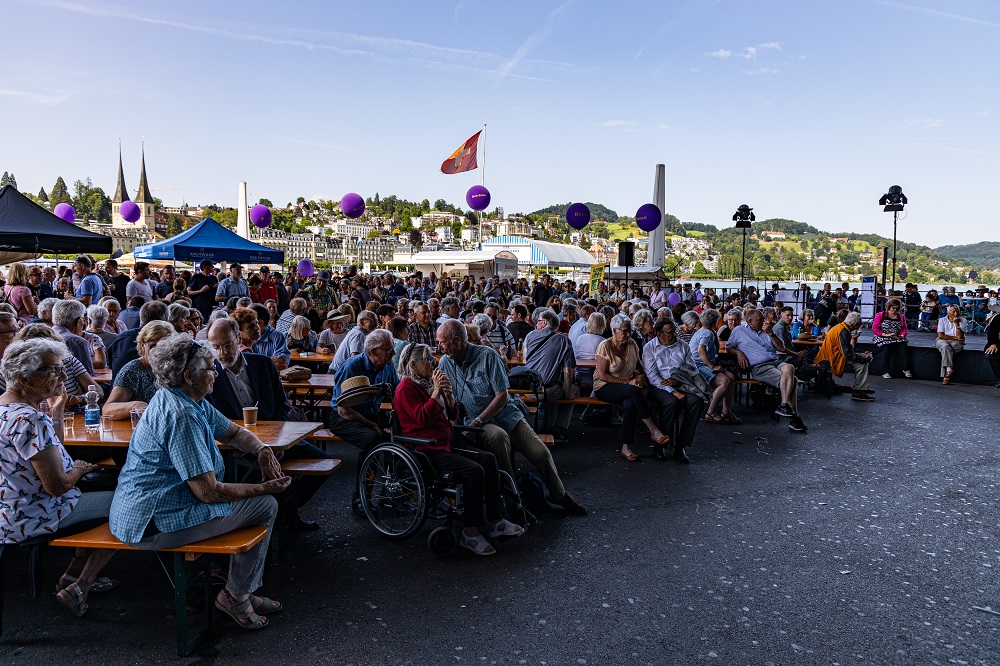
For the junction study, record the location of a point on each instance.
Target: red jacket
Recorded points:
(420, 415)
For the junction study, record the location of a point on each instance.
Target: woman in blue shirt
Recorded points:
(805, 328)
(170, 492)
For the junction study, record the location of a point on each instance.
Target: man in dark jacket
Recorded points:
(246, 380)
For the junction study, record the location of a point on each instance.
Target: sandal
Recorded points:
(242, 612)
(731, 418)
(661, 440)
(631, 457)
(505, 528)
(100, 585)
(73, 599)
(477, 544)
(265, 606)
(713, 418)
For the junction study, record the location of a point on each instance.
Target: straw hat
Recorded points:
(357, 390)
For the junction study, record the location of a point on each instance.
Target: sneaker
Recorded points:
(784, 409)
(570, 505)
(886, 376)
(907, 374)
(616, 420)
(862, 397)
(796, 425)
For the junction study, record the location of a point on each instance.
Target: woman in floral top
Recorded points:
(37, 477)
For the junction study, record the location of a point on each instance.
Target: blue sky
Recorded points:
(803, 110)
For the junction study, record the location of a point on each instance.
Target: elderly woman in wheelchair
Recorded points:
(424, 403)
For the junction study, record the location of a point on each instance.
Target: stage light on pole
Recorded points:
(893, 202)
(743, 218)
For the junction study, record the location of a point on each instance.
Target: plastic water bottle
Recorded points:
(92, 412)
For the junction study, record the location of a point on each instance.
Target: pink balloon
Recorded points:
(674, 298)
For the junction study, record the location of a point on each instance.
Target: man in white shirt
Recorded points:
(579, 327)
(662, 357)
(140, 284)
(354, 343)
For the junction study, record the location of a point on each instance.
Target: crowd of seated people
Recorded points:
(190, 350)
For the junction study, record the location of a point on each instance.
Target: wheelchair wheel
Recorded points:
(394, 492)
(442, 540)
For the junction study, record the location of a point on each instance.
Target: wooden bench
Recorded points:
(232, 543)
(310, 466)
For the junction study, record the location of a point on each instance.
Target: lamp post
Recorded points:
(743, 217)
(893, 200)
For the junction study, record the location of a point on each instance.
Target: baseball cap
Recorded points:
(324, 275)
(206, 262)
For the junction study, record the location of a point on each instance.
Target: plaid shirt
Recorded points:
(421, 335)
(477, 380)
(174, 442)
(325, 298)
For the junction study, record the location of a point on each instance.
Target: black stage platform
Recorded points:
(971, 366)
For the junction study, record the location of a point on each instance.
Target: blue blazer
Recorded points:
(264, 384)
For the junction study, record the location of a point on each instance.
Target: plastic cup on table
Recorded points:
(69, 420)
(135, 415)
(107, 423)
(249, 416)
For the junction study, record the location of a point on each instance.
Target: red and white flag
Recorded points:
(464, 157)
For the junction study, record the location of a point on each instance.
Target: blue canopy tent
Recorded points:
(210, 240)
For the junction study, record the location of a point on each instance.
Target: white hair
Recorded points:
(22, 357)
(98, 315)
(65, 313)
(377, 338)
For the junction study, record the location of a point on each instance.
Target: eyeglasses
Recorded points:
(227, 348)
(54, 370)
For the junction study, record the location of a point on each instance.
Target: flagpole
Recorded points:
(482, 171)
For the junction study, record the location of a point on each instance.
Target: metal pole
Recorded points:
(895, 214)
(743, 263)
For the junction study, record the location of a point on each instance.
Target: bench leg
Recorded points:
(184, 572)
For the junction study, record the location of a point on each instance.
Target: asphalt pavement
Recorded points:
(873, 539)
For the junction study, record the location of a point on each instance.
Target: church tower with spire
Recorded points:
(121, 196)
(144, 199)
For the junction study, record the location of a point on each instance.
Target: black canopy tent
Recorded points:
(27, 227)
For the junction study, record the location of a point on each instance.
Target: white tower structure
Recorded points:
(656, 254)
(243, 213)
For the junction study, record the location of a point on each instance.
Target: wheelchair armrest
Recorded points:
(472, 430)
(414, 441)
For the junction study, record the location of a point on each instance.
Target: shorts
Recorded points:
(767, 373)
(707, 373)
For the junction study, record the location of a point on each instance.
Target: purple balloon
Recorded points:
(260, 215)
(648, 217)
(578, 216)
(305, 268)
(352, 205)
(130, 211)
(65, 212)
(478, 197)
(674, 298)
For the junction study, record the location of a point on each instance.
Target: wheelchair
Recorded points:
(399, 490)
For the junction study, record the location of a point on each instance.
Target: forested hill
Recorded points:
(600, 212)
(985, 254)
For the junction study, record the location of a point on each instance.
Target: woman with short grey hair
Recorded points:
(34, 464)
(177, 315)
(690, 322)
(642, 327)
(171, 490)
(98, 324)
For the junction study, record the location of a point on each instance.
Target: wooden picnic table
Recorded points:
(317, 381)
(808, 343)
(274, 434)
(586, 363)
(311, 357)
(102, 376)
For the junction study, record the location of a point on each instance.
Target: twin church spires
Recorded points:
(143, 198)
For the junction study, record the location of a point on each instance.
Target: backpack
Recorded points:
(534, 495)
(525, 379)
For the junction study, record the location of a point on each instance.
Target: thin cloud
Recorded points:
(770, 46)
(616, 123)
(760, 71)
(722, 54)
(926, 123)
(382, 49)
(937, 13)
(662, 126)
(749, 53)
(535, 39)
(33, 97)
(983, 114)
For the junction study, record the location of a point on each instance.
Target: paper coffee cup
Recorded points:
(249, 416)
